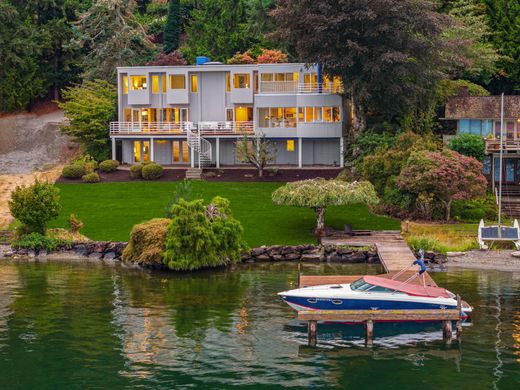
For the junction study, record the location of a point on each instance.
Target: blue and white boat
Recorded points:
(372, 293)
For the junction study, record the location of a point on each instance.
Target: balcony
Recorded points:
(508, 145)
(176, 128)
(290, 87)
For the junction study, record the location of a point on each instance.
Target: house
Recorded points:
(193, 115)
(480, 115)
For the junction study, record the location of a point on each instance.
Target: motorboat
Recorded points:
(372, 293)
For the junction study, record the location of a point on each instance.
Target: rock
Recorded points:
(312, 250)
(263, 257)
(42, 253)
(439, 259)
(81, 250)
(311, 257)
(95, 256)
(356, 257)
(334, 258)
(429, 255)
(109, 256)
(292, 256)
(99, 247)
(31, 253)
(258, 251)
(455, 254)
(516, 254)
(373, 260)
(278, 257)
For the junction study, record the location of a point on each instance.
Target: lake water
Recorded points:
(91, 326)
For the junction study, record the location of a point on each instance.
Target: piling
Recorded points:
(312, 333)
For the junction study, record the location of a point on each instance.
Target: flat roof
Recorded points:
(213, 66)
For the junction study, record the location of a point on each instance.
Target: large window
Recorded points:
(292, 76)
(194, 83)
(228, 82)
(155, 84)
(277, 117)
(163, 83)
(141, 151)
(138, 83)
(319, 114)
(177, 81)
(241, 80)
(125, 84)
(476, 126)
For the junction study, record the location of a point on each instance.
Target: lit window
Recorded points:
(241, 80)
(309, 114)
(290, 145)
(279, 77)
(177, 81)
(194, 83)
(327, 114)
(336, 117)
(125, 85)
(228, 82)
(137, 151)
(138, 83)
(155, 84)
(267, 77)
(163, 82)
(289, 117)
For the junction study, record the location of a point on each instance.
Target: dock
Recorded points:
(395, 256)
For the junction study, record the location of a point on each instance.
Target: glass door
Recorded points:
(509, 170)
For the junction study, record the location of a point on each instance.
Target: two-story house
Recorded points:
(480, 115)
(193, 115)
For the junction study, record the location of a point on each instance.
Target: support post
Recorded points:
(312, 333)
(192, 157)
(299, 273)
(217, 152)
(369, 333)
(459, 322)
(300, 157)
(446, 331)
(342, 152)
(152, 156)
(113, 148)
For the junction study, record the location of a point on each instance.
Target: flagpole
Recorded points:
(501, 156)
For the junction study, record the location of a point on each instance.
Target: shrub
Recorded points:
(146, 244)
(475, 210)
(183, 190)
(202, 236)
(75, 224)
(36, 241)
(91, 178)
(35, 205)
(470, 145)
(73, 171)
(136, 171)
(272, 57)
(108, 166)
(427, 244)
(152, 171)
(345, 175)
(88, 163)
(241, 58)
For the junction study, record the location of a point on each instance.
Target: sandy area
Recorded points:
(499, 260)
(31, 147)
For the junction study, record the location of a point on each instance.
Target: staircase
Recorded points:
(200, 145)
(194, 173)
(510, 201)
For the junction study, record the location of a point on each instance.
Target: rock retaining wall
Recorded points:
(112, 251)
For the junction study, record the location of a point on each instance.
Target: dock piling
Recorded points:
(459, 322)
(312, 330)
(369, 333)
(446, 331)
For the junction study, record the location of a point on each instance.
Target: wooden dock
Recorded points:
(395, 256)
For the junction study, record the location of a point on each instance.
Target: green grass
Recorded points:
(109, 210)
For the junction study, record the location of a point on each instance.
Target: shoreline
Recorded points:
(499, 260)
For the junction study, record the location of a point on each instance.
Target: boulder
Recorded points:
(334, 258)
(515, 254)
(355, 257)
(95, 256)
(263, 257)
(258, 251)
(109, 256)
(292, 256)
(311, 257)
(455, 254)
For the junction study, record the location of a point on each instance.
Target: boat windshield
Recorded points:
(361, 285)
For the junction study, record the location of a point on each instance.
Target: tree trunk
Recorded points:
(260, 171)
(447, 209)
(320, 219)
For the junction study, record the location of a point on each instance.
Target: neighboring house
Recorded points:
(481, 116)
(193, 115)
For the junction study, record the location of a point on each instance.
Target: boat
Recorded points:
(372, 293)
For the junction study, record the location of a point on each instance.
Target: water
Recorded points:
(90, 326)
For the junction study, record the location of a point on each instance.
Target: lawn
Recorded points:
(109, 210)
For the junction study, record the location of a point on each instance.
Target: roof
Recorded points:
(482, 107)
(410, 289)
(217, 67)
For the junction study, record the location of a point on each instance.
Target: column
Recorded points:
(217, 152)
(113, 148)
(151, 150)
(342, 152)
(300, 152)
(192, 157)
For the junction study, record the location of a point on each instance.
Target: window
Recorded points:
(137, 151)
(194, 83)
(263, 117)
(318, 114)
(478, 127)
(243, 114)
(486, 165)
(267, 77)
(163, 82)
(241, 80)
(290, 145)
(125, 84)
(228, 82)
(177, 81)
(138, 83)
(229, 114)
(275, 117)
(146, 151)
(289, 117)
(155, 84)
(309, 114)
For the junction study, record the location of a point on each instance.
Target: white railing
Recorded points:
(330, 87)
(278, 86)
(147, 127)
(200, 145)
(226, 127)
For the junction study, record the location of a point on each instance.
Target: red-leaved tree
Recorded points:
(241, 58)
(272, 57)
(447, 175)
(171, 59)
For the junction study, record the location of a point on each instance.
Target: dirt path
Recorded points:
(31, 147)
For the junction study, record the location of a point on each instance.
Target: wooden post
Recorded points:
(312, 333)
(459, 322)
(369, 333)
(446, 331)
(299, 273)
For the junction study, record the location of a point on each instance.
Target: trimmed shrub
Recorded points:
(136, 171)
(108, 166)
(36, 241)
(91, 178)
(146, 244)
(152, 171)
(470, 145)
(74, 171)
(88, 163)
(35, 205)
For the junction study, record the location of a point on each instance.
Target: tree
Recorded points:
(218, 29)
(112, 37)
(257, 151)
(470, 145)
(34, 206)
(389, 52)
(320, 193)
(241, 58)
(447, 175)
(272, 57)
(89, 108)
(172, 29)
(202, 236)
(174, 58)
(20, 81)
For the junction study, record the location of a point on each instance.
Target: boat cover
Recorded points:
(408, 288)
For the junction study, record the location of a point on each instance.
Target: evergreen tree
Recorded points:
(172, 29)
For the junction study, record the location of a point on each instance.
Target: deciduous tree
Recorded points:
(272, 57)
(257, 151)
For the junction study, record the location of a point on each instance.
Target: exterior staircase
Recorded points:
(199, 145)
(194, 173)
(510, 201)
